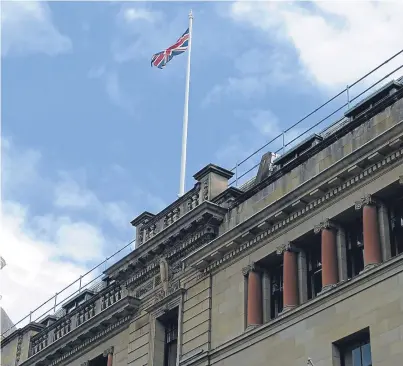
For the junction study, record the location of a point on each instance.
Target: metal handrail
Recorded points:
(57, 301)
(238, 176)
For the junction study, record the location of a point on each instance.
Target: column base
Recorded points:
(288, 308)
(251, 327)
(327, 288)
(370, 266)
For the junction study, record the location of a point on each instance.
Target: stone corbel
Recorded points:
(367, 200)
(108, 351)
(326, 224)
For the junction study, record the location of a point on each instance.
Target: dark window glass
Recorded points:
(276, 298)
(355, 248)
(396, 225)
(357, 354)
(314, 263)
(171, 342)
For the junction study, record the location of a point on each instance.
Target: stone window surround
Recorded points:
(336, 295)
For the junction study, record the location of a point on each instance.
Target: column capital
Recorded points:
(288, 247)
(367, 200)
(108, 351)
(325, 224)
(252, 267)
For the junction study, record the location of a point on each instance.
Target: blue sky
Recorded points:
(91, 134)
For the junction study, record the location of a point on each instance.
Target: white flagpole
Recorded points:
(185, 113)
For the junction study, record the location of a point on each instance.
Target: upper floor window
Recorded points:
(355, 350)
(396, 224)
(355, 247)
(314, 265)
(276, 289)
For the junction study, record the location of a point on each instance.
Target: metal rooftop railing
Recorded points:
(94, 276)
(387, 70)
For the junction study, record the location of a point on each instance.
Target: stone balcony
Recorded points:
(94, 316)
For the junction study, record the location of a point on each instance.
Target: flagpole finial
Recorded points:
(191, 14)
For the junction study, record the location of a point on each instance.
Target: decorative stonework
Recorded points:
(367, 200)
(85, 363)
(288, 247)
(18, 351)
(205, 191)
(91, 340)
(312, 206)
(108, 351)
(326, 224)
(401, 179)
(252, 267)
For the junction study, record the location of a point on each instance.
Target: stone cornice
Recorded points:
(31, 326)
(140, 257)
(346, 186)
(360, 154)
(124, 308)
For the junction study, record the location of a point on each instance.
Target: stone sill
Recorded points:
(331, 297)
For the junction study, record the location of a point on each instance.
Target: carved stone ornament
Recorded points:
(85, 363)
(205, 191)
(253, 267)
(108, 351)
(364, 201)
(326, 224)
(282, 248)
(164, 275)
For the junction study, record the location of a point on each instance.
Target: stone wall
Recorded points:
(369, 130)
(139, 340)
(292, 342)
(196, 317)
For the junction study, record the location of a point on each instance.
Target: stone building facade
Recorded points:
(303, 264)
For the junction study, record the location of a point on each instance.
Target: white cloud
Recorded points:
(336, 42)
(132, 14)
(46, 251)
(27, 27)
(113, 88)
(263, 127)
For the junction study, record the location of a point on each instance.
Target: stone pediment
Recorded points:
(171, 243)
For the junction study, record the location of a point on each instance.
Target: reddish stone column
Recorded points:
(372, 243)
(254, 300)
(109, 354)
(330, 274)
(290, 277)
